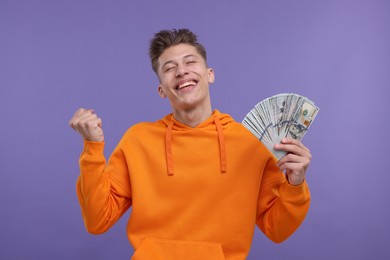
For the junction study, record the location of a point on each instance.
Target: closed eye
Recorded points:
(169, 69)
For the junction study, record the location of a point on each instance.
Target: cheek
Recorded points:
(165, 80)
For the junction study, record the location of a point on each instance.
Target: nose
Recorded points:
(181, 70)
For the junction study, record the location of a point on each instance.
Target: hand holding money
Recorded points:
(280, 122)
(88, 125)
(295, 162)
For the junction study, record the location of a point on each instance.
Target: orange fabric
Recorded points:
(189, 207)
(151, 248)
(168, 148)
(221, 139)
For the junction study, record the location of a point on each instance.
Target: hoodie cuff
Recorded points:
(289, 190)
(93, 148)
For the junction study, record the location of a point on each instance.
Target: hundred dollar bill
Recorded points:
(300, 124)
(283, 115)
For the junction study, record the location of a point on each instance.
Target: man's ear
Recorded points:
(161, 92)
(211, 75)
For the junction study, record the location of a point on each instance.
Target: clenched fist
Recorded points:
(88, 125)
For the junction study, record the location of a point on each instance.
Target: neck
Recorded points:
(193, 117)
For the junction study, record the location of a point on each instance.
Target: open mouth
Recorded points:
(186, 84)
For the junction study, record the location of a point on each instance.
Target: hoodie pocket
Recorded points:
(162, 249)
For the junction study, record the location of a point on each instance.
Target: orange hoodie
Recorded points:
(196, 193)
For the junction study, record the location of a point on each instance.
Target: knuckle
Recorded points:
(75, 123)
(90, 124)
(79, 111)
(289, 156)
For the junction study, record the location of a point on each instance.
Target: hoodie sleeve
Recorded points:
(282, 207)
(103, 191)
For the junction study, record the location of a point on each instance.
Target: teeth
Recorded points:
(185, 84)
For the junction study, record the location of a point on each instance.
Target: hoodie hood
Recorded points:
(217, 121)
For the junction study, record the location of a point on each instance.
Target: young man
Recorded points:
(198, 182)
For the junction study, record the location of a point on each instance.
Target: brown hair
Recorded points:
(168, 38)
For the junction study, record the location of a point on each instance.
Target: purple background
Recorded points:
(56, 56)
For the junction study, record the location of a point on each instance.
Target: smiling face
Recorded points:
(184, 78)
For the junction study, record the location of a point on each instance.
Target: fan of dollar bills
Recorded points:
(283, 115)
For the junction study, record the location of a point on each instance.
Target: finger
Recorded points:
(293, 141)
(79, 111)
(294, 149)
(290, 157)
(290, 166)
(88, 122)
(87, 115)
(75, 116)
(295, 167)
(100, 122)
(89, 126)
(83, 117)
(293, 158)
(91, 122)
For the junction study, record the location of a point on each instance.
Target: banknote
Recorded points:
(284, 115)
